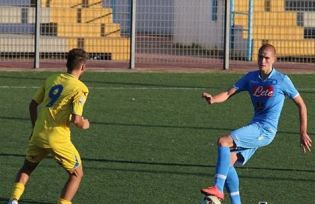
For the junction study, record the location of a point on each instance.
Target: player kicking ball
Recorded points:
(267, 88)
(56, 104)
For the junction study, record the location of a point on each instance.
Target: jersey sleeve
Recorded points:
(288, 88)
(242, 83)
(39, 95)
(79, 101)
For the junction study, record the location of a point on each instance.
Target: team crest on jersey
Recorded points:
(263, 91)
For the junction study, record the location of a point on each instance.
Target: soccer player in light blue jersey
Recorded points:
(268, 89)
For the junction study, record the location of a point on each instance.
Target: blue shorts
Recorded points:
(249, 138)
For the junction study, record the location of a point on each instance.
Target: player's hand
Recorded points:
(86, 124)
(208, 97)
(306, 142)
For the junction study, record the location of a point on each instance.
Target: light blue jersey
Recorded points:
(267, 97)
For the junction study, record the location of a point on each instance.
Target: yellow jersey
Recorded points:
(59, 97)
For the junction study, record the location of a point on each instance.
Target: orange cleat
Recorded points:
(212, 190)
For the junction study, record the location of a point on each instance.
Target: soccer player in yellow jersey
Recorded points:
(57, 103)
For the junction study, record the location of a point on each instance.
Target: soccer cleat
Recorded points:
(212, 190)
(13, 202)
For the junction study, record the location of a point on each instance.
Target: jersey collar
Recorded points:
(70, 75)
(270, 74)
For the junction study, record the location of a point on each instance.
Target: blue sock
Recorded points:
(222, 168)
(232, 185)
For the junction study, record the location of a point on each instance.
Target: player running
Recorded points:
(56, 104)
(267, 88)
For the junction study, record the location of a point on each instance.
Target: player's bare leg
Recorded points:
(24, 173)
(226, 141)
(21, 179)
(72, 185)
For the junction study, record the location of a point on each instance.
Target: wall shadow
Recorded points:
(181, 172)
(120, 83)
(139, 125)
(172, 164)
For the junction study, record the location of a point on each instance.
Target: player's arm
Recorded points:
(80, 121)
(78, 104)
(33, 111)
(220, 97)
(36, 100)
(305, 139)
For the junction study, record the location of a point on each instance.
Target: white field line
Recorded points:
(112, 88)
(133, 88)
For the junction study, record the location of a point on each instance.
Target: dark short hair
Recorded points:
(267, 46)
(76, 57)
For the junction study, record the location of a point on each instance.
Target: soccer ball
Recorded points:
(210, 200)
(13, 202)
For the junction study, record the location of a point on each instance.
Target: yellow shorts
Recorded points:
(66, 155)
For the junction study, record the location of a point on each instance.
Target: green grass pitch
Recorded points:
(153, 140)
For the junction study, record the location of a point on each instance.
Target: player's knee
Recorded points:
(78, 173)
(233, 158)
(225, 141)
(81, 174)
